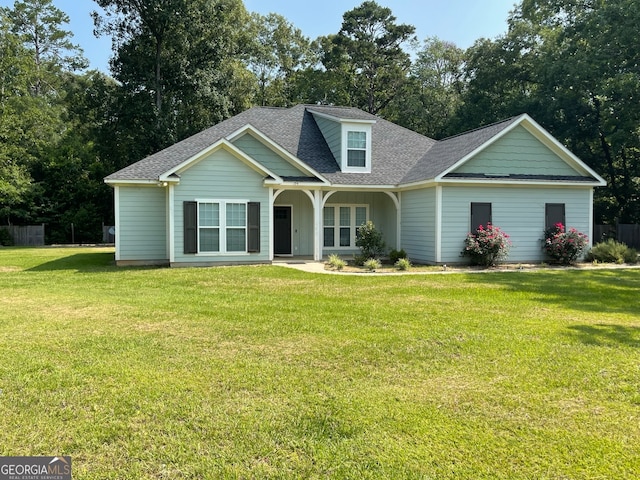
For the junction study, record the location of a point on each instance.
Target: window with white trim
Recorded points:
(356, 149)
(341, 223)
(222, 226)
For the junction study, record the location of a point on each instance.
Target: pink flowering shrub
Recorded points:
(486, 246)
(564, 246)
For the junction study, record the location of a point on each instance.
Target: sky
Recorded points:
(458, 21)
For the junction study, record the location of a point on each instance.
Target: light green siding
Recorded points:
(332, 132)
(221, 176)
(301, 221)
(267, 157)
(142, 227)
(419, 225)
(382, 212)
(518, 152)
(518, 210)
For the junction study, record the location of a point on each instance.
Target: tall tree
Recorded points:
(15, 180)
(175, 60)
(367, 55)
(432, 95)
(39, 25)
(278, 51)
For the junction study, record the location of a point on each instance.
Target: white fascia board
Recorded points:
(417, 185)
(292, 185)
(497, 182)
(274, 147)
(339, 119)
(145, 183)
(370, 188)
(229, 147)
(472, 154)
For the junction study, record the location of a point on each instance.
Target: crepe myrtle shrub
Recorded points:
(487, 246)
(564, 246)
(370, 241)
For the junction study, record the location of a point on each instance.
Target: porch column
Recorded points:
(317, 225)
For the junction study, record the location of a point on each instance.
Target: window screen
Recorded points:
(553, 213)
(480, 215)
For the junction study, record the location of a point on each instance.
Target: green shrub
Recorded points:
(395, 255)
(359, 260)
(372, 264)
(564, 246)
(612, 251)
(370, 241)
(336, 262)
(487, 246)
(5, 238)
(403, 264)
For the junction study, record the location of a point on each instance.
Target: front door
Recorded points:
(282, 231)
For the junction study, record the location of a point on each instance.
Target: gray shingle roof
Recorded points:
(399, 155)
(449, 151)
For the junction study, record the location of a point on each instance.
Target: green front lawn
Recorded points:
(267, 372)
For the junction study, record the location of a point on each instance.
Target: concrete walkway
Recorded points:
(309, 266)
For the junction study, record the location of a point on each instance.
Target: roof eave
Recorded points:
(340, 119)
(512, 181)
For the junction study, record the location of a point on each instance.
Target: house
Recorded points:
(299, 181)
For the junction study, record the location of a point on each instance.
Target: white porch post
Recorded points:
(272, 199)
(317, 225)
(399, 222)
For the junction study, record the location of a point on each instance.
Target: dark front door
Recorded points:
(282, 230)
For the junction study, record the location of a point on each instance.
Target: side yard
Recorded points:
(268, 372)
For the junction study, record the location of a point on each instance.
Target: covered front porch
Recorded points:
(314, 223)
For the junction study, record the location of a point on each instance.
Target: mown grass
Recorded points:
(266, 372)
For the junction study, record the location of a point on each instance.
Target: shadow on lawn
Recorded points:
(80, 262)
(598, 291)
(606, 334)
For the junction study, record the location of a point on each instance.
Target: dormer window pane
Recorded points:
(356, 149)
(357, 140)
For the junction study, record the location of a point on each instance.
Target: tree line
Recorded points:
(179, 66)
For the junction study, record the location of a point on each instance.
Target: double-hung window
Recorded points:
(209, 227)
(356, 149)
(341, 223)
(221, 226)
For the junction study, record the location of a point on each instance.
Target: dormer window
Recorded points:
(349, 139)
(356, 149)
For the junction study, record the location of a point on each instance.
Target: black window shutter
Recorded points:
(480, 215)
(554, 213)
(253, 230)
(190, 227)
